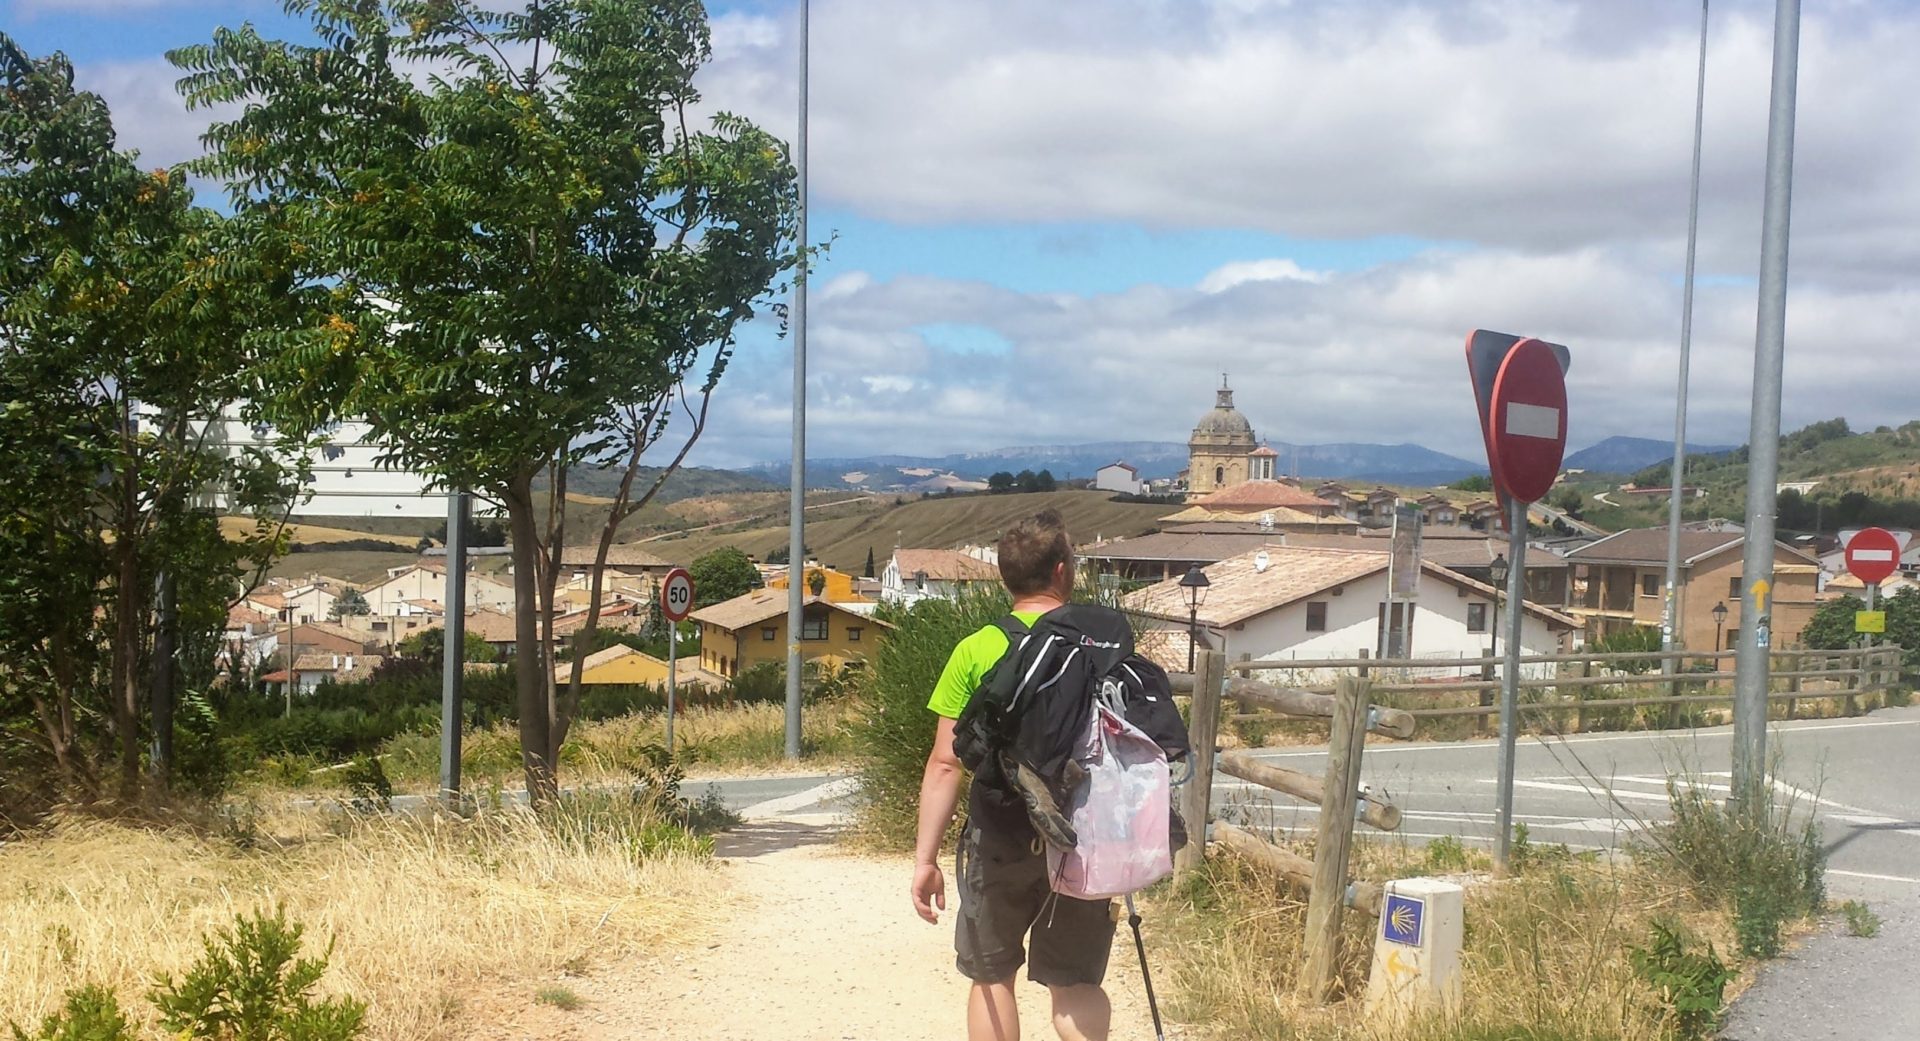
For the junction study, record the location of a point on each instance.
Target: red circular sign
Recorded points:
(676, 594)
(1529, 421)
(1873, 554)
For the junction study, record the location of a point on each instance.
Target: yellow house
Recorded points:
(749, 630)
(837, 586)
(621, 664)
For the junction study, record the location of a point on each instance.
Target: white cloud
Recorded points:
(1519, 123)
(1374, 356)
(1239, 272)
(148, 114)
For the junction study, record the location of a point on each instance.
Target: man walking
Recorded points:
(1001, 866)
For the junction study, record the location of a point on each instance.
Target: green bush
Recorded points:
(1446, 854)
(894, 735)
(1861, 921)
(367, 785)
(1692, 984)
(90, 1014)
(1772, 867)
(250, 985)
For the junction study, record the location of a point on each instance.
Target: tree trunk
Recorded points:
(126, 660)
(531, 676)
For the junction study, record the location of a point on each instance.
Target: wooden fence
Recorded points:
(1342, 804)
(1348, 703)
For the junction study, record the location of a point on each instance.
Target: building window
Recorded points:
(814, 627)
(1219, 475)
(769, 633)
(1317, 616)
(1733, 588)
(1476, 618)
(853, 634)
(1649, 585)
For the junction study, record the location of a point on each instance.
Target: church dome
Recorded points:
(1224, 421)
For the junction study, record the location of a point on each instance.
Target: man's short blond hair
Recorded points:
(1032, 550)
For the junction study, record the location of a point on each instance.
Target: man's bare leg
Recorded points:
(1081, 1013)
(992, 1012)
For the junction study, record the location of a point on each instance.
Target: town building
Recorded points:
(1619, 582)
(1118, 477)
(1220, 450)
(406, 587)
(750, 630)
(913, 575)
(1310, 602)
(835, 586)
(624, 665)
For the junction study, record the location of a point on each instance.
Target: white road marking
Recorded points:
(1874, 877)
(839, 789)
(1595, 791)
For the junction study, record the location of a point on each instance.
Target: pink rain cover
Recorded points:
(1119, 814)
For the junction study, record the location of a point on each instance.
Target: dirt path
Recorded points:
(821, 946)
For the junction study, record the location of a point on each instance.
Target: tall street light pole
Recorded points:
(1763, 438)
(797, 501)
(1670, 620)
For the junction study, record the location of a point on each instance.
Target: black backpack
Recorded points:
(1034, 704)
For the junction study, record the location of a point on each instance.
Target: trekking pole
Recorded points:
(1146, 976)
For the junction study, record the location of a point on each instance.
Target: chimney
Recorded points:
(349, 663)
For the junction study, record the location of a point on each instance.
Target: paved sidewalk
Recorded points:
(1839, 986)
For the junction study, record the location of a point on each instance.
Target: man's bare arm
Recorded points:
(939, 796)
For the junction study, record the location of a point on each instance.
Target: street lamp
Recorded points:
(1195, 583)
(1498, 572)
(1719, 623)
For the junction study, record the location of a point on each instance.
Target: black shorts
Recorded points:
(1004, 895)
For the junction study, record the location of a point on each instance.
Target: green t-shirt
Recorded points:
(971, 660)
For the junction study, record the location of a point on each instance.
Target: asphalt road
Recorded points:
(1588, 791)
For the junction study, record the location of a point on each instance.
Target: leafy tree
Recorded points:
(430, 646)
(350, 604)
(1026, 481)
(1000, 483)
(534, 260)
(1568, 500)
(1831, 627)
(1044, 482)
(817, 582)
(723, 574)
(1479, 483)
(131, 328)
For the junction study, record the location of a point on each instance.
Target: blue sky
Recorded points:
(1060, 222)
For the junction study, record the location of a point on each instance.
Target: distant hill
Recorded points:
(1626, 455)
(689, 482)
(1156, 460)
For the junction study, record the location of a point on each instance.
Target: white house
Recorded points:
(1307, 602)
(1118, 477)
(913, 575)
(399, 596)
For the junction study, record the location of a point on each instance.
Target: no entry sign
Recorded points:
(1873, 554)
(676, 594)
(1521, 388)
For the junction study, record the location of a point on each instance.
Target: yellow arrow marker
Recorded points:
(1760, 591)
(1397, 967)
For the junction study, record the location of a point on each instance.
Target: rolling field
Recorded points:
(321, 534)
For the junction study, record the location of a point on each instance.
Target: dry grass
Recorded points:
(316, 534)
(422, 914)
(714, 740)
(1546, 955)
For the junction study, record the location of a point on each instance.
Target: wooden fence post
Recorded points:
(1330, 853)
(1203, 733)
(1485, 719)
(1793, 682)
(1580, 699)
(1856, 680)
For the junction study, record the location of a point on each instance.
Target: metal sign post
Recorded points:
(1521, 388)
(676, 602)
(453, 649)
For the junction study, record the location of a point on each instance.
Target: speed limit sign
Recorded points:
(676, 594)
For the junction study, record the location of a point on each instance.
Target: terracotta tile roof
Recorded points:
(363, 665)
(240, 615)
(491, 626)
(271, 599)
(1166, 648)
(1648, 546)
(1181, 545)
(306, 630)
(1283, 517)
(944, 565)
(765, 604)
(1241, 590)
(1265, 495)
(1451, 552)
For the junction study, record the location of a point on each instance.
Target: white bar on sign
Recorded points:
(1873, 554)
(1525, 420)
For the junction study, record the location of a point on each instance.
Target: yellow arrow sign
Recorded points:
(1398, 967)
(1760, 591)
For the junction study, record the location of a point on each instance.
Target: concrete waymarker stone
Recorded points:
(1416, 952)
